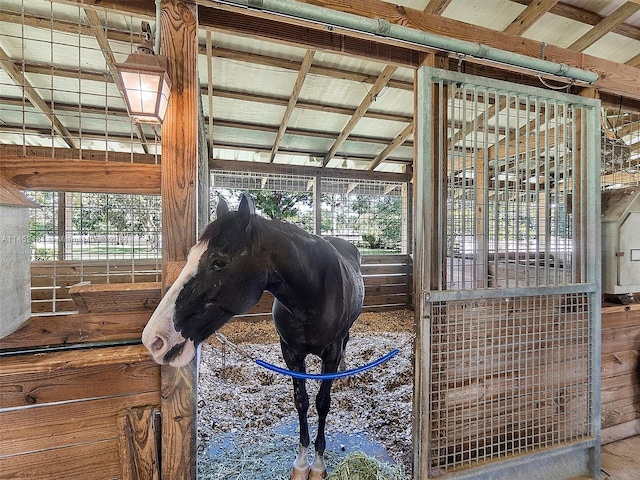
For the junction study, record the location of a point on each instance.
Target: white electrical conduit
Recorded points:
(384, 28)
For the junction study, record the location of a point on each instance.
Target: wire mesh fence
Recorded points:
(60, 91)
(90, 237)
(371, 214)
(510, 376)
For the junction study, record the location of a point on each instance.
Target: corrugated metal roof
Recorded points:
(53, 47)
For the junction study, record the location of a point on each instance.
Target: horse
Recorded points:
(318, 294)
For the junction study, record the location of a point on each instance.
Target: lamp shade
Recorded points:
(147, 86)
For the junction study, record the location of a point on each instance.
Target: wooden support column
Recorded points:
(179, 28)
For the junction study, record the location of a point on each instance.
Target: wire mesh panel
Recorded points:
(510, 375)
(620, 160)
(371, 214)
(509, 196)
(59, 85)
(278, 196)
(91, 237)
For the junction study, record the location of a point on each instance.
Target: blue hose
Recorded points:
(327, 376)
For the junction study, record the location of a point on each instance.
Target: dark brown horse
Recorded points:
(318, 290)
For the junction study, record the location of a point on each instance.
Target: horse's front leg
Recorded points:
(296, 363)
(330, 362)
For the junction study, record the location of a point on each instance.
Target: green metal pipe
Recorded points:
(384, 28)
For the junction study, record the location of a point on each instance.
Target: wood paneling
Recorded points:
(116, 298)
(72, 329)
(59, 410)
(40, 378)
(96, 460)
(56, 426)
(44, 173)
(620, 381)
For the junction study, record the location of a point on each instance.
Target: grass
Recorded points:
(273, 461)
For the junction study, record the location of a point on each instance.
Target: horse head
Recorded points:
(224, 276)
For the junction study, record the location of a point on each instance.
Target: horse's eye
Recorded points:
(218, 264)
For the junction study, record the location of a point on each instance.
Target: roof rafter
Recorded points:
(530, 15)
(389, 149)
(623, 12)
(577, 14)
(436, 7)
(34, 97)
(297, 88)
(369, 98)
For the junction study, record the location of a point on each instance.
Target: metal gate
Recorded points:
(507, 258)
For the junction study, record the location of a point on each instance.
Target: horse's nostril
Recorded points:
(157, 344)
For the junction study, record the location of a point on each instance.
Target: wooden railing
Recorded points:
(50, 281)
(387, 278)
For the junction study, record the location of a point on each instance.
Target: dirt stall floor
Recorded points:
(243, 406)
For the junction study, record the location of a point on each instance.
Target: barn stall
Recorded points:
(62, 109)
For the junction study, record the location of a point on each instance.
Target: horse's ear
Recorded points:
(246, 209)
(222, 207)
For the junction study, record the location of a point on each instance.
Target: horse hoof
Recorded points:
(317, 474)
(300, 473)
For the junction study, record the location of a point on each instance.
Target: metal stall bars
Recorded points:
(508, 257)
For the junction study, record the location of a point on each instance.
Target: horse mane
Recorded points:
(259, 228)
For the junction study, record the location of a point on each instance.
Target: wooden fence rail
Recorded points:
(388, 282)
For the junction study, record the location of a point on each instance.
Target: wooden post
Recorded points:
(179, 28)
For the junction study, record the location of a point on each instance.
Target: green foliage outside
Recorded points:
(374, 223)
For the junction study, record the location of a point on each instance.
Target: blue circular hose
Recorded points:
(327, 376)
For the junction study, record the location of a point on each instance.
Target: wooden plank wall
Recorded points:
(51, 281)
(62, 408)
(620, 414)
(388, 282)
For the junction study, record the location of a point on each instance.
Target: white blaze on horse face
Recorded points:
(160, 335)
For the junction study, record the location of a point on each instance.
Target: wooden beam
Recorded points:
(242, 22)
(303, 132)
(180, 159)
(293, 99)
(50, 174)
(395, 143)
(623, 12)
(34, 97)
(307, 105)
(577, 14)
(360, 111)
(101, 37)
(530, 15)
(614, 77)
(617, 78)
(436, 7)
(634, 62)
(8, 151)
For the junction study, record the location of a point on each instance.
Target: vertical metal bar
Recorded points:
(446, 93)
(546, 193)
(516, 192)
(566, 199)
(464, 171)
(485, 194)
(496, 191)
(527, 195)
